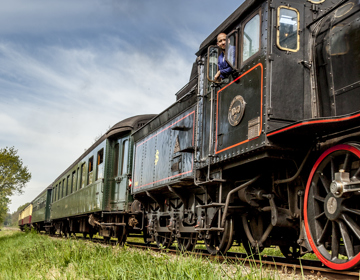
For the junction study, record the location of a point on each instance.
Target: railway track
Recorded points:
(286, 266)
(281, 264)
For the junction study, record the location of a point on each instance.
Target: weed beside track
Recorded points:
(33, 256)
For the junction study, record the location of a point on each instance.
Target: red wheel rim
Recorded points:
(356, 259)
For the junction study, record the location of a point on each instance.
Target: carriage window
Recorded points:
(82, 176)
(68, 185)
(124, 160)
(64, 188)
(59, 191)
(73, 182)
(288, 37)
(230, 50)
(91, 167)
(100, 165)
(55, 193)
(116, 163)
(251, 38)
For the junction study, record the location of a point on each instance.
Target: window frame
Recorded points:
(64, 188)
(208, 63)
(278, 29)
(90, 170)
(243, 25)
(73, 181)
(236, 32)
(316, 2)
(124, 157)
(83, 170)
(100, 156)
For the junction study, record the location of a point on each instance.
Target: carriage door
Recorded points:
(121, 174)
(287, 63)
(48, 205)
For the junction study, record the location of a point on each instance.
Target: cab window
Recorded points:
(251, 38)
(230, 50)
(288, 37)
(212, 65)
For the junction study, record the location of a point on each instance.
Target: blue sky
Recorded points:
(71, 69)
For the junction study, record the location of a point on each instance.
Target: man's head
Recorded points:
(221, 41)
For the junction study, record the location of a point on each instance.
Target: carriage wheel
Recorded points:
(146, 235)
(65, 231)
(122, 235)
(219, 242)
(163, 240)
(187, 241)
(332, 219)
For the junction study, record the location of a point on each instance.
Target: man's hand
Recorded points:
(217, 76)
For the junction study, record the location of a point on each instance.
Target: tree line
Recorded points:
(13, 178)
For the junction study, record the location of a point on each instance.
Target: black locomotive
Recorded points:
(269, 155)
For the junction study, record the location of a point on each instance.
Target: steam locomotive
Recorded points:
(269, 155)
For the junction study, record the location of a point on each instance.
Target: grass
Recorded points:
(32, 256)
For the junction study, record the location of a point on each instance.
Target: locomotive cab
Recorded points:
(293, 93)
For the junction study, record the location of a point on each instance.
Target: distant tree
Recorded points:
(4, 201)
(13, 177)
(15, 218)
(7, 221)
(21, 207)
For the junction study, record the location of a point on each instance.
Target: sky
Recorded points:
(69, 70)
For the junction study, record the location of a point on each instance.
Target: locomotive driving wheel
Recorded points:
(332, 208)
(253, 222)
(219, 242)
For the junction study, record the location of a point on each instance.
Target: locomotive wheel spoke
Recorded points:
(319, 198)
(332, 221)
(353, 211)
(321, 215)
(324, 232)
(346, 166)
(352, 225)
(325, 181)
(347, 240)
(335, 238)
(332, 169)
(356, 174)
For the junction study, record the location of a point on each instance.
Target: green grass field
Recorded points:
(33, 256)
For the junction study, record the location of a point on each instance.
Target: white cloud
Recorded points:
(65, 97)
